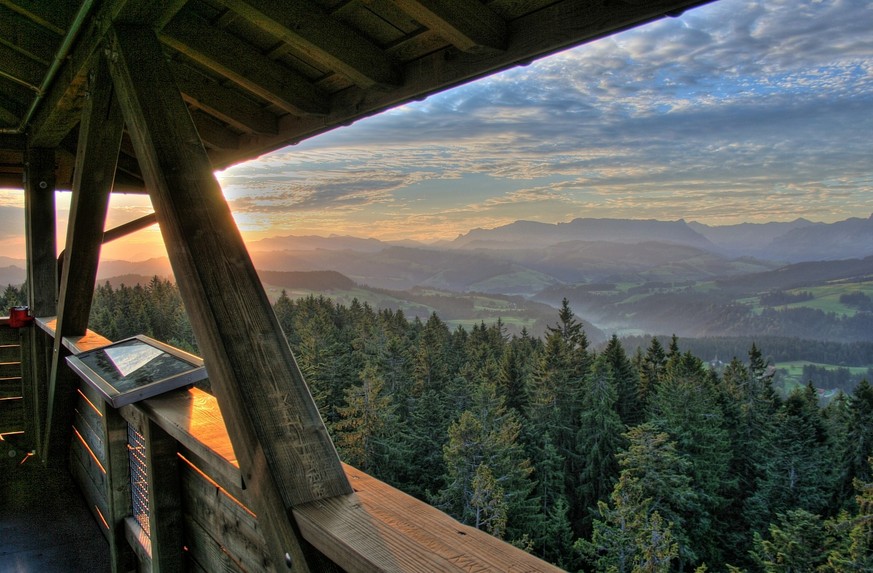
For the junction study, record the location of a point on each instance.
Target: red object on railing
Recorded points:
(19, 316)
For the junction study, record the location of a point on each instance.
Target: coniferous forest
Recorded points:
(593, 460)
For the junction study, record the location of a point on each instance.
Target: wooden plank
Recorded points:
(95, 502)
(10, 370)
(326, 40)
(206, 553)
(229, 526)
(90, 427)
(99, 143)
(194, 419)
(469, 26)
(118, 503)
(227, 105)
(231, 57)
(10, 353)
(8, 336)
(20, 68)
(380, 528)
(41, 246)
(11, 415)
(140, 542)
(94, 471)
(10, 388)
(212, 133)
(284, 450)
(165, 500)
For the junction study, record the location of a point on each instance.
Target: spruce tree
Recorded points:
(627, 383)
(598, 441)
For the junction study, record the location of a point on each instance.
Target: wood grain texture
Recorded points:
(227, 55)
(284, 450)
(165, 500)
(326, 40)
(99, 143)
(231, 529)
(382, 529)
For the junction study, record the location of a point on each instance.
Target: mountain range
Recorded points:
(621, 275)
(525, 257)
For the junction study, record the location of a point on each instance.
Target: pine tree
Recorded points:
(627, 383)
(641, 528)
(487, 434)
(598, 441)
(798, 463)
(853, 534)
(653, 365)
(795, 544)
(368, 429)
(686, 405)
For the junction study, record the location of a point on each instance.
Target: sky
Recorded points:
(738, 111)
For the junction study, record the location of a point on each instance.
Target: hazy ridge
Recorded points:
(623, 275)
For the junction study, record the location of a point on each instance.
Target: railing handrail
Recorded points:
(376, 528)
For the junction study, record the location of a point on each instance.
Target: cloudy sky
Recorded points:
(742, 110)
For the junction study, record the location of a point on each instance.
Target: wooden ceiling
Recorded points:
(258, 75)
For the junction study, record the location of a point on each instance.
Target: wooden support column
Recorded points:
(159, 549)
(96, 156)
(285, 454)
(117, 490)
(40, 230)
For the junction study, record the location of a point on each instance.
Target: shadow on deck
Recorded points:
(45, 526)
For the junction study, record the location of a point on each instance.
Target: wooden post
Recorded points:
(163, 550)
(96, 156)
(285, 454)
(117, 489)
(39, 207)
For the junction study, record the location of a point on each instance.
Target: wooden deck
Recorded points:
(45, 526)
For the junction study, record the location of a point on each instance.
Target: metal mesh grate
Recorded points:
(139, 487)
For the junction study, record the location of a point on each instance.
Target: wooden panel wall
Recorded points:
(11, 409)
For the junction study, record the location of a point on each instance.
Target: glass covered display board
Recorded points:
(136, 368)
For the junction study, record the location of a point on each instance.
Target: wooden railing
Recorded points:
(199, 515)
(11, 395)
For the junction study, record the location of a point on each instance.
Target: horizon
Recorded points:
(737, 111)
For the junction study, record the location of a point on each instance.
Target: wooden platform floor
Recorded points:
(44, 524)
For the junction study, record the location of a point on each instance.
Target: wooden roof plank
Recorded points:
(326, 40)
(225, 104)
(48, 15)
(60, 109)
(229, 56)
(212, 133)
(470, 26)
(21, 68)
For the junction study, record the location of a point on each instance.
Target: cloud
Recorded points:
(738, 110)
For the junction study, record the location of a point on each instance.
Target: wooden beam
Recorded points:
(285, 454)
(229, 56)
(61, 108)
(40, 236)
(227, 105)
(99, 143)
(117, 488)
(324, 39)
(165, 533)
(212, 133)
(39, 206)
(470, 26)
(21, 69)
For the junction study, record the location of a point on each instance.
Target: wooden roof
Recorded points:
(258, 75)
